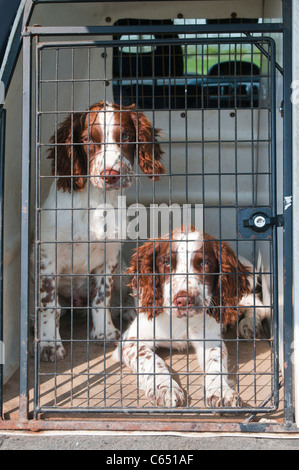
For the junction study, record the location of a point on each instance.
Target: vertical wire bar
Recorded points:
(72, 240)
(170, 226)
(154, 199)
(37, 229)
(105, 235)
(122, 243)
(254, 181)
(2, 167)
(220, 221)
(255, 162)
(170, 203)
(237, 242)
(203, 217)
(254, 191)
(24, 303)
(88, 240)
(120, 52)
(187, 228)
(137, 249)
(56, 234)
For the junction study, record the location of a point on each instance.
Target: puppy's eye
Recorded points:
(204, 264)
(125, 137)
(166, 262)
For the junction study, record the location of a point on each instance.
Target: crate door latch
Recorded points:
(257, 222)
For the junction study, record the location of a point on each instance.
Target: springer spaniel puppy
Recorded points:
(92, 158)
(188, 285)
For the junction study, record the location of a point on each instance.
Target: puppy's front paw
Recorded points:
(51, 352)
(164, 395)
(250, 328)
(111, 335)
(227, 399)
(129, 314)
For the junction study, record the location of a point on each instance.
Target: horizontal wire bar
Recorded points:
(170, 340)
(162, 142)
(141, 240)
(57, 176)
(127, 374)
(173, 274)
(160, 29)
(154, 410)
(237, 80)
(159, 110)
(140, 310)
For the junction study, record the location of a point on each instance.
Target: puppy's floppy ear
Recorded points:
(149, 150)
(233, 283)
(70, 159)
(145, 278)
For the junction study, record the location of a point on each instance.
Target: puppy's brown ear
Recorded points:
(233, 283)
(145, 279)
(67, 155)
(149, 149)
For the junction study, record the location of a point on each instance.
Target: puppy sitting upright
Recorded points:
(92, 158)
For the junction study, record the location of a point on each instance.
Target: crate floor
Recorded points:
(89, 378)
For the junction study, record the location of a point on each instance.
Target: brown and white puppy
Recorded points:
(188, 285)
(92, 158)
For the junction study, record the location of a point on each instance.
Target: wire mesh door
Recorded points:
(155, 233)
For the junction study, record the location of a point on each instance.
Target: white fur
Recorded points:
(110, 155)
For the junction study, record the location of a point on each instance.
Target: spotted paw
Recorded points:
(51, 352)
(111, 336)
(227, 399)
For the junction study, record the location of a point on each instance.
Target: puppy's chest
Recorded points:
(80, 257)
(178, 329)
(88, 216)
(96, 223)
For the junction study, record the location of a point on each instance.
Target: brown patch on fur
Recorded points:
(146, 276)
(68, 156)
(232, 285)
(47, 288)
(149, 150)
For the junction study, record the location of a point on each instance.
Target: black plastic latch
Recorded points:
(258, 222)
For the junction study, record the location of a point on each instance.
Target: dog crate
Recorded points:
(216, 86)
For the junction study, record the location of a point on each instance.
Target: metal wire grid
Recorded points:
(96, 368)
(185, 75)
